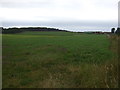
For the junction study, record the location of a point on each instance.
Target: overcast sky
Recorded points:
(59, 13)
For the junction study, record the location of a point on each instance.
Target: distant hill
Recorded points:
(18, 30)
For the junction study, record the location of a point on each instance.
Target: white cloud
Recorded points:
(59, 10)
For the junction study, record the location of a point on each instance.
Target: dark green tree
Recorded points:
(118, 31)
(113, 30)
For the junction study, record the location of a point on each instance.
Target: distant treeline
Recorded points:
(18, 30)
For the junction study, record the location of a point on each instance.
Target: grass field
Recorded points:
(59, 60)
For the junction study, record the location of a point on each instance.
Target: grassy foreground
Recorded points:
(59, 60)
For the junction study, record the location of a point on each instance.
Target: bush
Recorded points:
(113, 30)
(118, 31)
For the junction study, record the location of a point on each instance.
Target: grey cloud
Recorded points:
(106, 3)
(71, 4)
(26, 4)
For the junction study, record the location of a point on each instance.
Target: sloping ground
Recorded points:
(49, 60)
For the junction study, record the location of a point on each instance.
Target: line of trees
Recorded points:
(18, 30)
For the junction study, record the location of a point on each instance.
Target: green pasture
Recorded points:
(56, 60)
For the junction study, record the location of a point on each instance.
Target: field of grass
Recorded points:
(58, 60)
